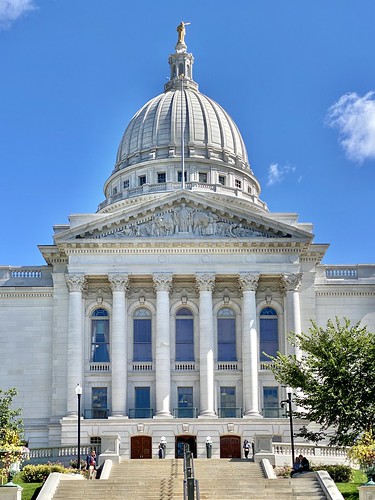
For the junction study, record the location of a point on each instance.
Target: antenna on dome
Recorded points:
(182, 134)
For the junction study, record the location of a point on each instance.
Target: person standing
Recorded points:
(246, 448)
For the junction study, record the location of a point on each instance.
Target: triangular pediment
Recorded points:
(182, 215)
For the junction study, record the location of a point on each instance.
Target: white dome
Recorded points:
(155, 130)
(154, 156)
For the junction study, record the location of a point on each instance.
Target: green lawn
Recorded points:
(30, 490)
(350, 490)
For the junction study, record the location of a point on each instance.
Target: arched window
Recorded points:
(184, 335)
(100, 336)
(268, 335)
(226, 335)
(142, 346)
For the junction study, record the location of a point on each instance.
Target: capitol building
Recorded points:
(162, 304)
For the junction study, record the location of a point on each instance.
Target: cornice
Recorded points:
(14, 294)
(345, 290)
(182, 247)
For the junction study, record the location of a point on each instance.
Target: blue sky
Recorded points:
(297, 77)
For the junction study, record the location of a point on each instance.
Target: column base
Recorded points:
(163, 414)
(208, 414)
(252, 414)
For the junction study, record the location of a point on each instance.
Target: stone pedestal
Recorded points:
(13, 492)
(366, 492)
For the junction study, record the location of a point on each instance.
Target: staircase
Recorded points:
(228, 479)
(131, 479)
(219, 479)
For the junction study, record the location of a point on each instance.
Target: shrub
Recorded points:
(339, 473)
(39, 473)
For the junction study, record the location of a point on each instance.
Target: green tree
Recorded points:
(334, 380)
(11, 430)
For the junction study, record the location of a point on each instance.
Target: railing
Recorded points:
(27, 273)
(142, 366)
(185, 412)
(100, 367)
(191, 485)
(184, 366)
(140, 413)
(315, 453)
(227, 365)
(266, 365)
(61, 453)
(272, 412)
(96, 413)
(230, 412)
(341, 273)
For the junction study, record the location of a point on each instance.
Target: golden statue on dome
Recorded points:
(181, 32)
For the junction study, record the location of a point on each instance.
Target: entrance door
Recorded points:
(230, 447)
(181, 440)
(141, 447)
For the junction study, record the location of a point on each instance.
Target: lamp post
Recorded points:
(163, 445)
(79, 394)
(289, 403)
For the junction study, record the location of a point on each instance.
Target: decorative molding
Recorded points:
(205, 282)
(119, 282)
(26, 295)
(162, 282)
(248, 282)
(75, 282)
(291, 282)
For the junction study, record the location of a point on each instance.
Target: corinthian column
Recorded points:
(205, 285)
(292, 284)
(119, 358)
(75, 283)
(162, 284)
(250, 380)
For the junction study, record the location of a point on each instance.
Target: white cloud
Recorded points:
(277, 173)
(10, 10)
(354, 117)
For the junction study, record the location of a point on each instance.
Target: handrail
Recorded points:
(191, 485)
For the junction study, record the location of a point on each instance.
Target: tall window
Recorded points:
(184, 335)
(142, 347)
(161, 177)
(269, 341)
(226, 335)
(271, 402)
(100, 336)
(142, 180)
(179, 176)
(203, 177)
(142, 402)
(228, 402)
(99, 406)
(185, 402)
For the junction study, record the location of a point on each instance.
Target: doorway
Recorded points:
(180, 441)
(141, 447)
(230, 447)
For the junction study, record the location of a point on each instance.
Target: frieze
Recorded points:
(187, 222)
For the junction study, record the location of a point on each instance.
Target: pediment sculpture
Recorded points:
(184, 221)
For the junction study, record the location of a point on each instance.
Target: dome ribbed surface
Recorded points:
(155, 130)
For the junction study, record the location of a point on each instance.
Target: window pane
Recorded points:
(142, 397)
(227, 397)
(269, 342)
(185, 397)
(270, 397)
(226, 333)
(184, 335)
(100, 336)
(142, 340)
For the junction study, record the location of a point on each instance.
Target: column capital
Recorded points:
(162, 282)
(291, 282)
(248, 282)
(205, 281)
(75, 282)
(119, 282)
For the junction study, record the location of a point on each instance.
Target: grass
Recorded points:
(30, 490)
(350, 490)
